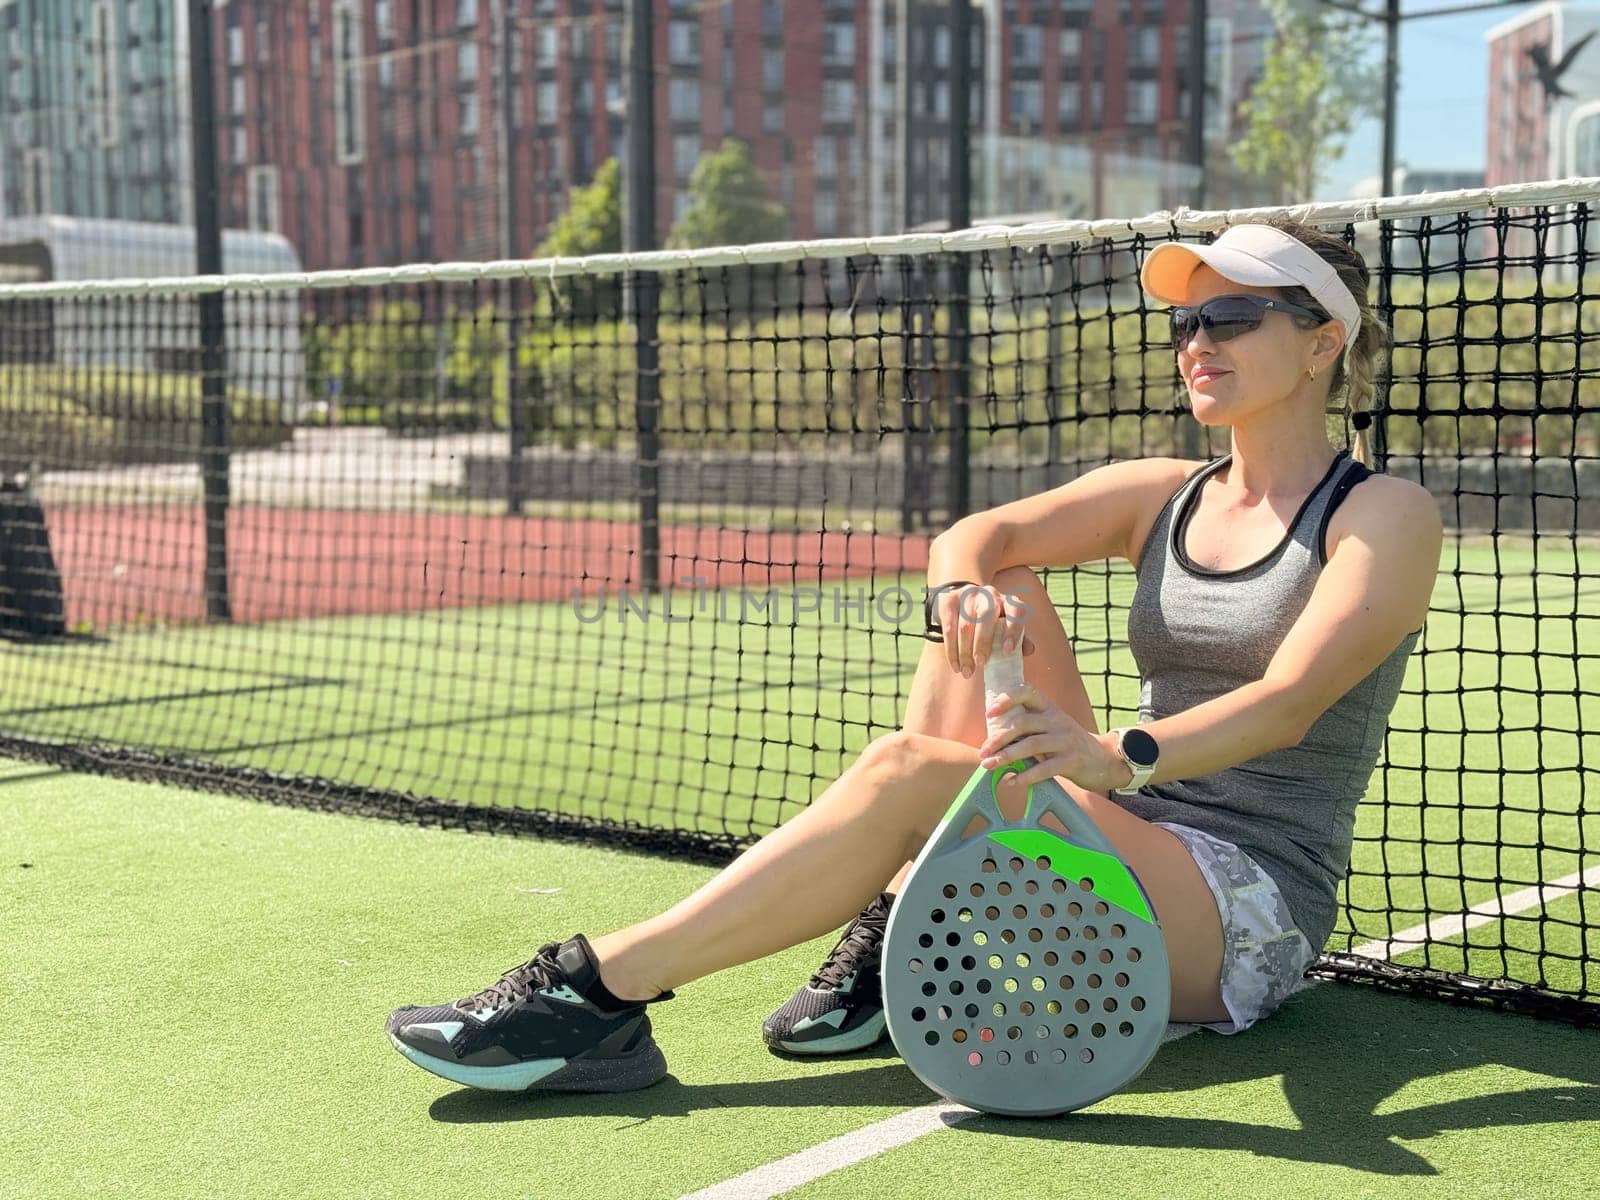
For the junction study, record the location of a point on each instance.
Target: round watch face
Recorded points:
(1140, 747)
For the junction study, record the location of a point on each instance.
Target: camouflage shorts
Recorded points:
(1265, 956)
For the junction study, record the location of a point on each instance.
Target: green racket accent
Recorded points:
(1111, 879)
(1111, 876)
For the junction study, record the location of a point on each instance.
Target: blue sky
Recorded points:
(1444, 84)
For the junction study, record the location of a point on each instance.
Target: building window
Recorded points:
(1219, 54)
(36, 181)
(104, 66)
(466, 12)
(262, 200)
(772, 18)
(1143, 101)
(772, 70)
(838, 100)
(825, 158)
(241, 145)
(236, 95)
(1586, 146)
(1069, 106)
(1071, 48)
(1027, 100)
(941, 47)
(1147, 46)
(263, 44)
(348, 106)
(683, 99)
(236, 46)
(469, 114)
(467, 62)
(547, 47)
(772, 116)
(548, 103)
(1027, 45)
(685, 154)
(683, 44)
(825, 216)
(838, 44)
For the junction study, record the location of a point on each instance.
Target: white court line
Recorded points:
(803, 1166)
(1441, 928)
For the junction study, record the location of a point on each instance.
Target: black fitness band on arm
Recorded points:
(935, 631)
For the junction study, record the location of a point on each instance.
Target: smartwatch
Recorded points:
(1139, 751)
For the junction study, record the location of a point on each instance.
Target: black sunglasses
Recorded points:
(1226, 317)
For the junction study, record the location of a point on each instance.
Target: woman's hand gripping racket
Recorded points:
(1023, 971)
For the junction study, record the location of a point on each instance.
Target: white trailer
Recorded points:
(263, 328)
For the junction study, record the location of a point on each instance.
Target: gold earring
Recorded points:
(1312, 370)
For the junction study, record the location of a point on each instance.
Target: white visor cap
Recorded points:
(1253, 254)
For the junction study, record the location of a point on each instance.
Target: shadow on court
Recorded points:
(887, 1086)
(26, 775)
(1342, 1054)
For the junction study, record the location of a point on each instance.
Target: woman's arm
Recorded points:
(1104, 513)
(1373, 591)
(1095, 516)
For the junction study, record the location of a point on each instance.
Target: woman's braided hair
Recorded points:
(1356, 371)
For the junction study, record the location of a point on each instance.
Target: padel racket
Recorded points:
(1024, 972)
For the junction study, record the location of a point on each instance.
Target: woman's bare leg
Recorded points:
(807, 877)
(945, 704)
(866, 827)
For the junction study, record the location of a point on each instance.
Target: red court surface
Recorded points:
(131, 565)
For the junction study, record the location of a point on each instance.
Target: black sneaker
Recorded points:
(841, 1009)
(535, 1028)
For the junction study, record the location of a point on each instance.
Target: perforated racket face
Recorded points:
(1011, 986)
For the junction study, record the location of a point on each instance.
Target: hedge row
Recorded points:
(62, 416)
(1469, 368)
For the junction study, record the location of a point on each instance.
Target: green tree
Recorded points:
(591, 224)
(728, 206)
(728, 203)
(1318, 80)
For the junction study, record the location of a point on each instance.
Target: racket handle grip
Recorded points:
(1002, 675)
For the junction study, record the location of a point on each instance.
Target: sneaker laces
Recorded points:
(862, 938)
(519, 983)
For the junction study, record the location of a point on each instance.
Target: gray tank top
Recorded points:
(1198, 633)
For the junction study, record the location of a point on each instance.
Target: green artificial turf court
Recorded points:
(197, 984)
(727, 728)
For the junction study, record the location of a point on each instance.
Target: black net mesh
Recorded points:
(639, 557)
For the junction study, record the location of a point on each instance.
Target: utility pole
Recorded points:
(1198, 16)
(508, 249)
(902, 105)
(960, 274)
(1188, 429)
(1391, 91)
(640, 235)
(214, 416)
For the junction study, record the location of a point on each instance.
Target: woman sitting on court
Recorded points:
(1280, 591)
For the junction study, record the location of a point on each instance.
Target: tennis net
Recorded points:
(632, 548)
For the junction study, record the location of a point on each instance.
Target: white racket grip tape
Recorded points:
(1002, 676)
